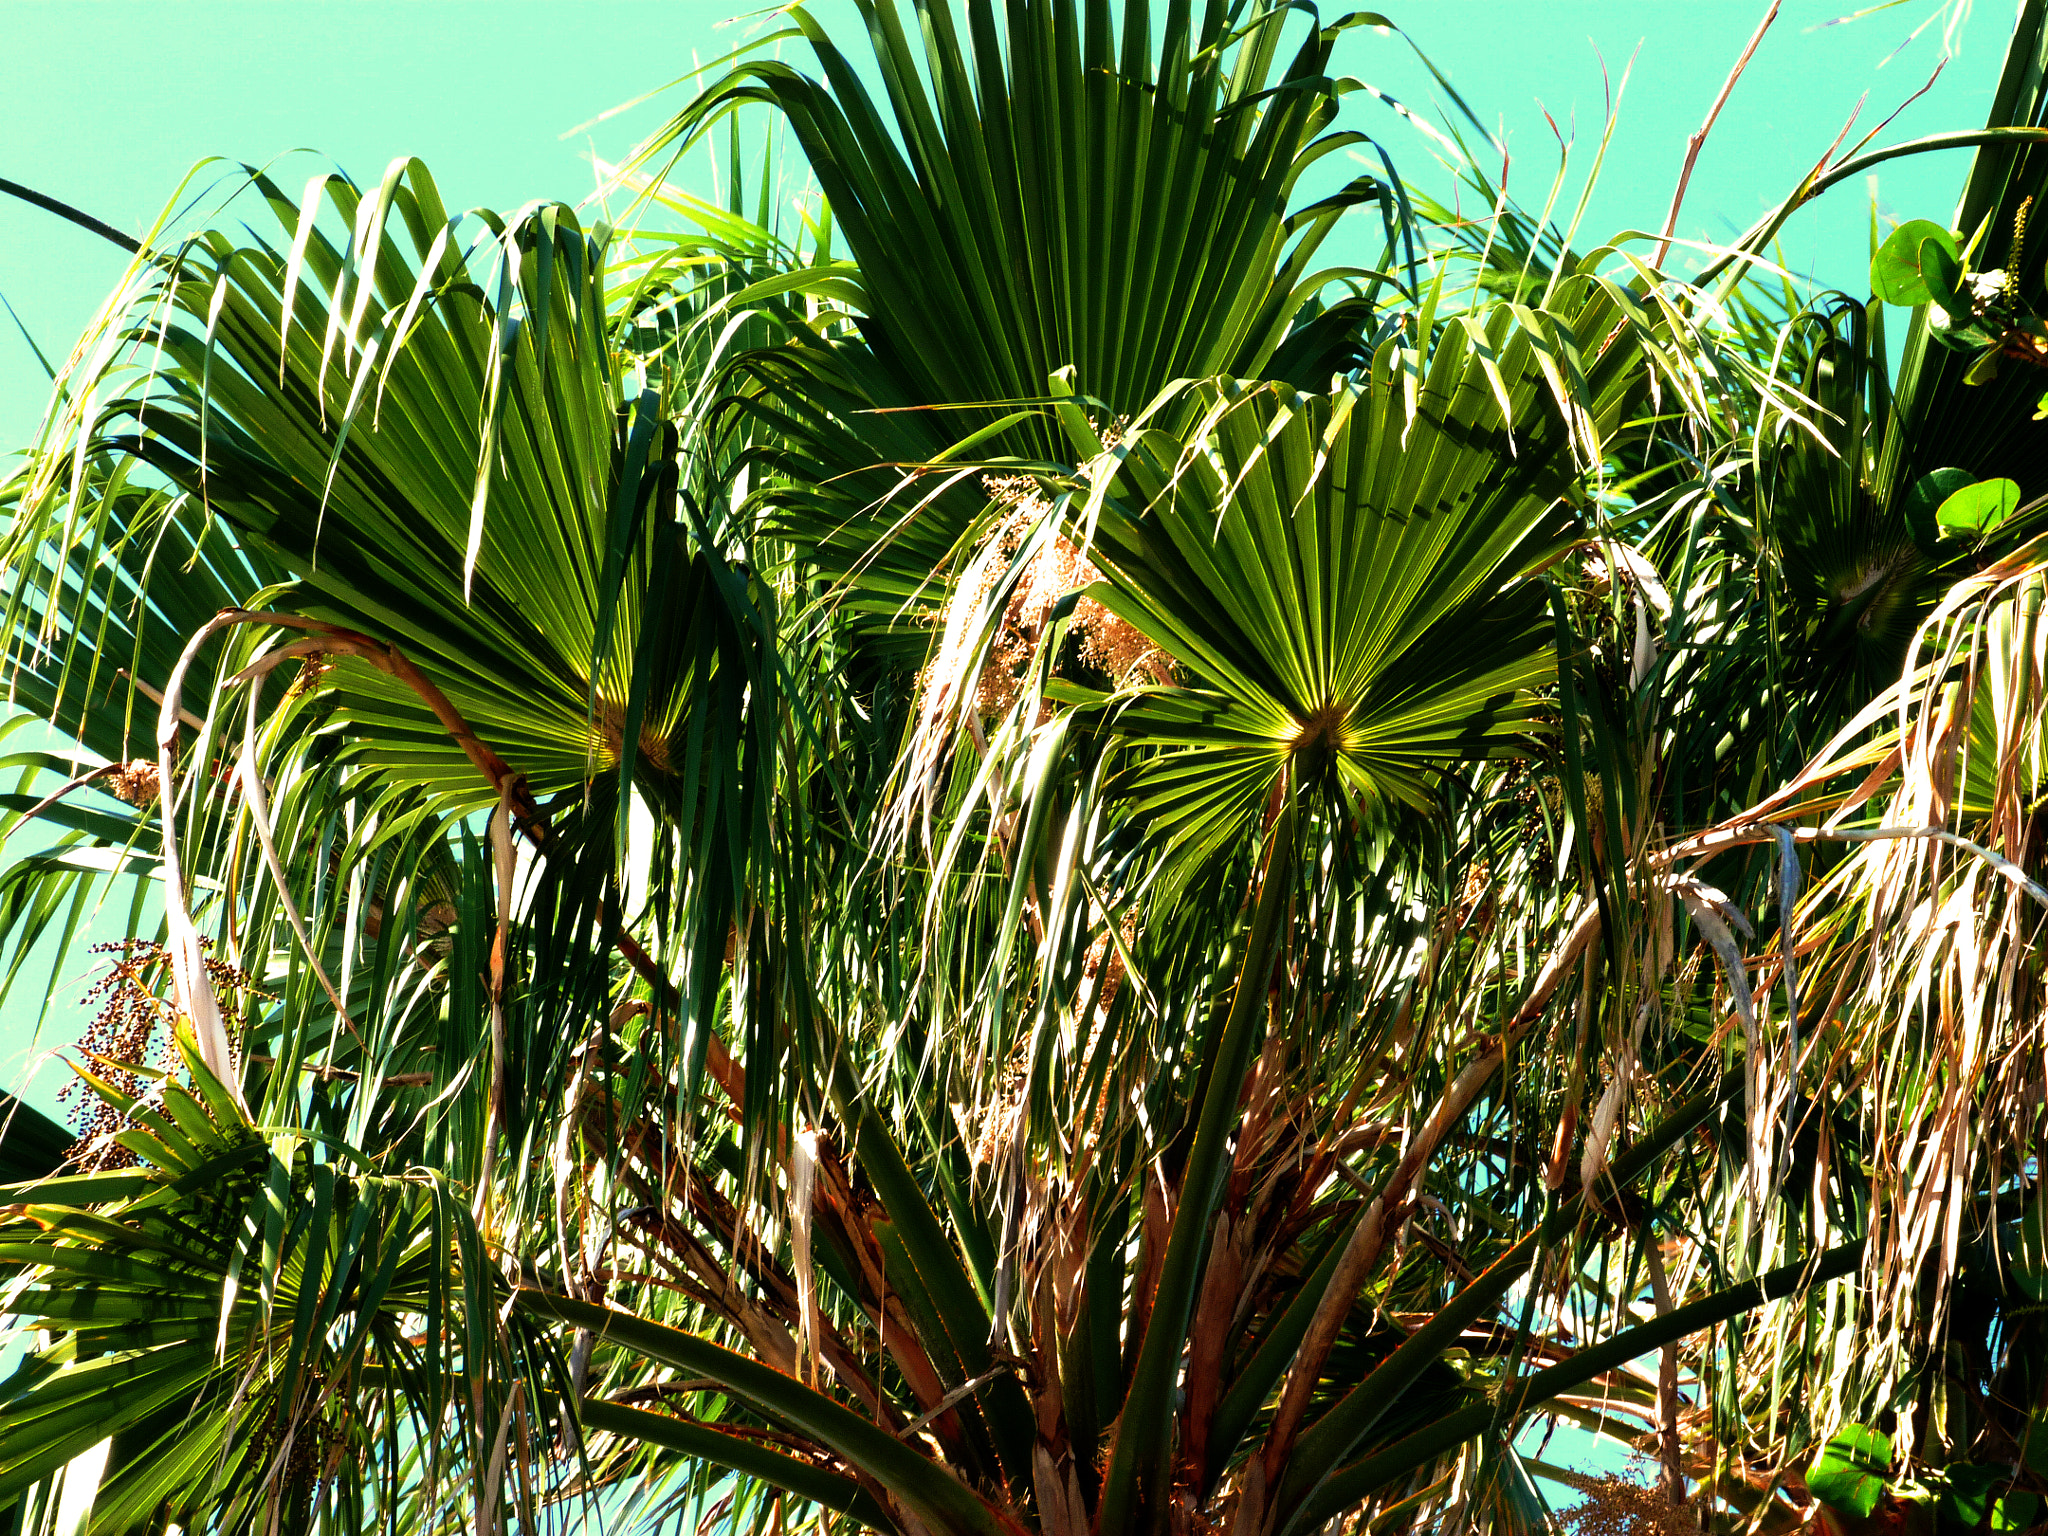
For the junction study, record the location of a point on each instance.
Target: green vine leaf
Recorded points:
(1849, 1474)
(1896, 274)
(1966, 1494)
(1942, 273)
(1925, 498)
(1977, 509)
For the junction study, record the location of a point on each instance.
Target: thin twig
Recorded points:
(1857, 148)
(154, 697)
(345, 1075)
(1693, 144)
(88, 777)
(1669, 1449)
(952, 1399)
(1740, 833)
(77, 216)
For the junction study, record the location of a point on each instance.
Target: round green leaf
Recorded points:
(1984, 369)
(1920, 503)
(1895, 274)
(2015, 1511)
(1978, 508)
(1966, 1494)
(1968, 336)
(1942, 273)
(1849, 1474)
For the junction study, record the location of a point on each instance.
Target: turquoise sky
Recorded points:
(110, 102)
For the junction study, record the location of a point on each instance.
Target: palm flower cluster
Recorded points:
(136, 782)
(1618, 1506)
(1056, 569)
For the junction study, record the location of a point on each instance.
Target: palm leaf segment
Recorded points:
(434, 441)
(1043, 195)
(100, 595)
(1341, 583)
(439, 458)
(248, 1327)
(430, 432)
(123, 600)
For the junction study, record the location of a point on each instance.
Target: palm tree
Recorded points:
(1000, 870)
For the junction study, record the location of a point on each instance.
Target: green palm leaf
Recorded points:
(219, 1313)
(1042, 189)
(1065, 198)
(1342, 585)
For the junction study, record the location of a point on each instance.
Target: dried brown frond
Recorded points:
(1942, 947)
(1919, 1000)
